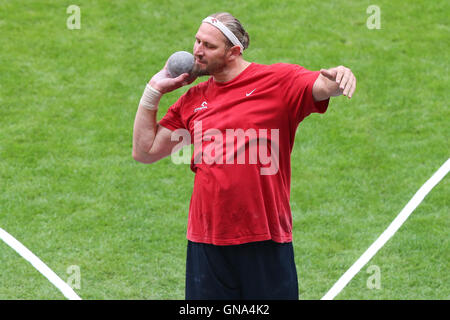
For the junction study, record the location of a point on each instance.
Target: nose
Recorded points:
(198, 49)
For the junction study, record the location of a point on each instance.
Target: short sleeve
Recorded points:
(299, 83)
(172, 119)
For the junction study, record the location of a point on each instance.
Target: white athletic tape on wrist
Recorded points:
(227, 32)
(150, 98)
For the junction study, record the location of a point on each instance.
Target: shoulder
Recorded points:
(281, 69)
(288, 67)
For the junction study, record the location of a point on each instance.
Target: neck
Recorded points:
(231, 71)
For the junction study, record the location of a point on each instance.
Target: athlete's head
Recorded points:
(213, 49)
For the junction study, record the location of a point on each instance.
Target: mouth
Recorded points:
(199, 62)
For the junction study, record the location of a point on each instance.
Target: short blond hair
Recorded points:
(235, 26)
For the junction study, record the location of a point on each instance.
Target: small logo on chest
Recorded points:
(204, 106)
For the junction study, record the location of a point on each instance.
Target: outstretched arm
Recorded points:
(334, 82)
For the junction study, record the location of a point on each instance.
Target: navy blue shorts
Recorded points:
(251, 271)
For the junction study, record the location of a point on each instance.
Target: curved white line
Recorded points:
(389, 232)
(66, 290)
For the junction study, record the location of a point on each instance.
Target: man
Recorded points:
(240, 224)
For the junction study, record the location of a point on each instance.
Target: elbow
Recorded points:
(145, 159)
(136, 156)
(139, 154)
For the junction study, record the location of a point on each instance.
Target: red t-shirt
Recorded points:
(239, 199)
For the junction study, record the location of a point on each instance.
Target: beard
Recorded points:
(198, 70)
(209, 68)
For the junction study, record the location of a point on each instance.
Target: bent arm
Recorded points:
(151, 142)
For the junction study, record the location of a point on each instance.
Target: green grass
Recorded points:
(71, 192)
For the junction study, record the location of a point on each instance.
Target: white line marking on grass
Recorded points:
(389, 232)
(66, 290)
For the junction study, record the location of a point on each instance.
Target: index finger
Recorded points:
(340, 74)
(181, 79)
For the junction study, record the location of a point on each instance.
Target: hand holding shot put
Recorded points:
(239, 227)
(175, 74)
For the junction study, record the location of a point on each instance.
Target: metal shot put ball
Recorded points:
(180, 62)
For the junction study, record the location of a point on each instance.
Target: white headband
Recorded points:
(227, 32)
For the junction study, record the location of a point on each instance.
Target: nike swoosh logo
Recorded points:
(247, 94)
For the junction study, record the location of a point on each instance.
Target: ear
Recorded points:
(234, 53)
